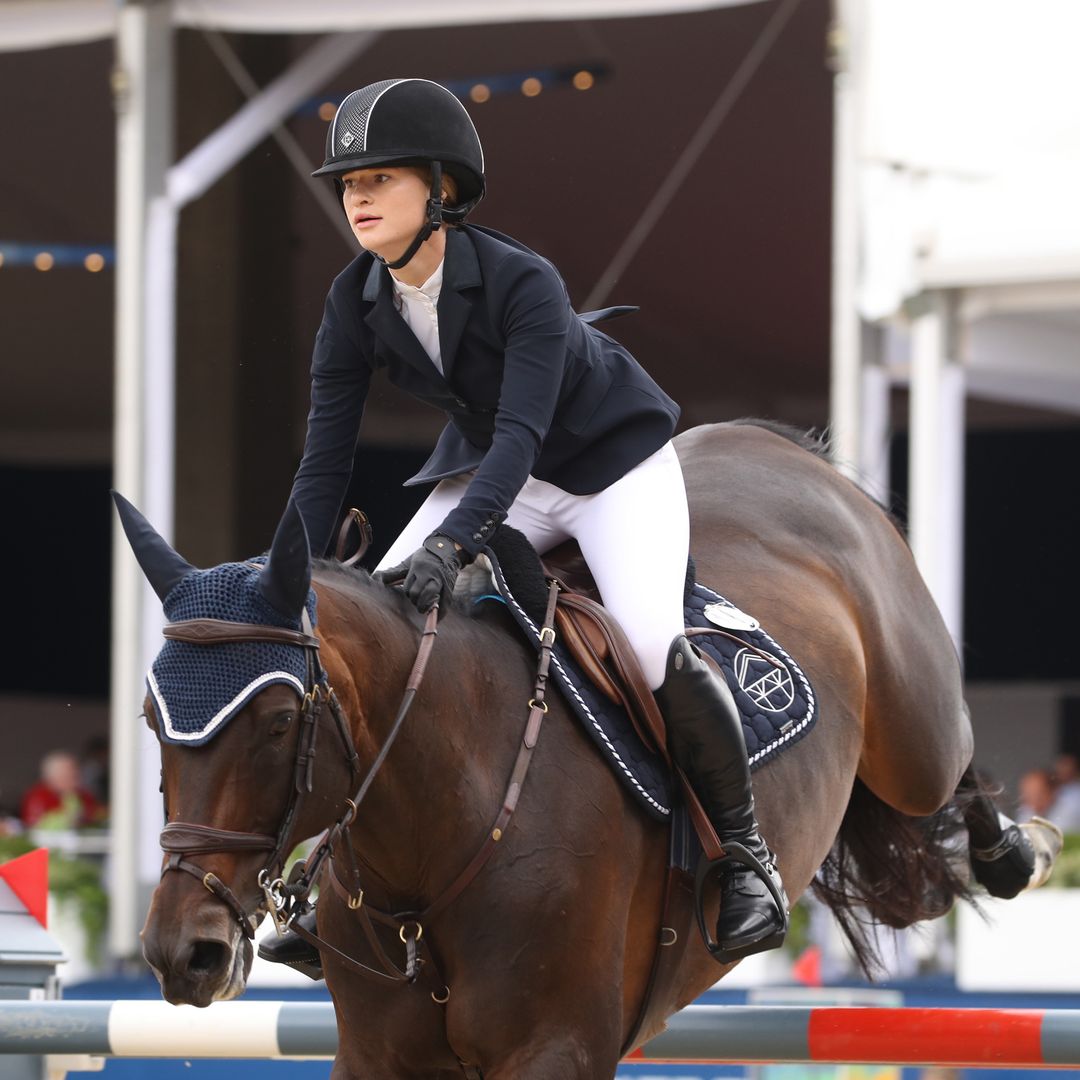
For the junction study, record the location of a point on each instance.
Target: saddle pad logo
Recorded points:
(770, 687)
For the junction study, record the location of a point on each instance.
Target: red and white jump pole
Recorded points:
(706, 1034)
(973, 1038)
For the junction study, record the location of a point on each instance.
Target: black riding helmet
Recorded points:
(409, 122)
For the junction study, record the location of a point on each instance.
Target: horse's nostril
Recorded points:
(207, 957)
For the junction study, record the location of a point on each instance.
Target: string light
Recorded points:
(44, 257)
(479, 89)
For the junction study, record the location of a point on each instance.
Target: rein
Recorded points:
(284, 901)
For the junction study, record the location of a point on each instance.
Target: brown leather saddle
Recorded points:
(598, 645)
(601, 650)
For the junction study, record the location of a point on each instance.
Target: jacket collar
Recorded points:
(461, 270)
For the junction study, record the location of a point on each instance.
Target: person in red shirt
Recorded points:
(57, 800)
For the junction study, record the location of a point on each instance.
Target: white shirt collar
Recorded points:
(430, 288)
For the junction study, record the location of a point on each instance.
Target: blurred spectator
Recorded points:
(1065, 813)
(1036, 790)
(94, 767)
(9, 825)
(57, 800)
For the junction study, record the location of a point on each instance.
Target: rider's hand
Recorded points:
(429, 573)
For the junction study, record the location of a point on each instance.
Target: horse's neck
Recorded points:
(423, 805)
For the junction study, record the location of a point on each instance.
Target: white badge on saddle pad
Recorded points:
(730, 617)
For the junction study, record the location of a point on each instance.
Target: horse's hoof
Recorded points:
(1021, 860)
(1046, 840)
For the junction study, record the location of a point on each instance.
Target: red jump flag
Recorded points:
(28, 878)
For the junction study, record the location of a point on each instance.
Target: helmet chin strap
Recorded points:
(432, 221)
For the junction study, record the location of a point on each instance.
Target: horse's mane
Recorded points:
(818, 444)
(356, 581)
(352, 577)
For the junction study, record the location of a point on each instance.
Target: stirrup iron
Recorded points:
(738, 853)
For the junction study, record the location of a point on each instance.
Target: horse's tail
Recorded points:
(886, 867)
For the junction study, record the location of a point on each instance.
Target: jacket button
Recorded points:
(477, 537)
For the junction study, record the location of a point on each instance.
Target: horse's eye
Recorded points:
(151, 720)
(281, 723)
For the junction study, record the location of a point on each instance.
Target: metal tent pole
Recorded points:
(142, 86)
(150, 196)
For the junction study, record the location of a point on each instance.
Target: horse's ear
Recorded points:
(286, 577)
(161, 565)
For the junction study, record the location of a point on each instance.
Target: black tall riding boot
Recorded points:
(706, 740)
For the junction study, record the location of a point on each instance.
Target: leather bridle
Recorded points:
(181, 838)
(285, 900)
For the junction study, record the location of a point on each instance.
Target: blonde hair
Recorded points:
(449, 184)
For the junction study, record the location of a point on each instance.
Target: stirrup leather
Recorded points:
(738, 853)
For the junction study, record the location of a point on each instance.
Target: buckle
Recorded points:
(547, 637)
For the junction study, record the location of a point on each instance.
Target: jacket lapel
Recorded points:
(461, 270)
(389, 327)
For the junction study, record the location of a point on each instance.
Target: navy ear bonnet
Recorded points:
(197, 689)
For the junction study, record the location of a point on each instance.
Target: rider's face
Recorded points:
(385, 207)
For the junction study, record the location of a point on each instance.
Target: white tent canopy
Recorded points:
(968, 145)
(35, 24)
(962, 157)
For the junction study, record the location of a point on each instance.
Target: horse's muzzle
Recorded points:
(196, 960)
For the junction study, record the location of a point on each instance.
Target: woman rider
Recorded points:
(553, 428)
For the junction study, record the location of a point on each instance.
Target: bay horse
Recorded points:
(547, 953)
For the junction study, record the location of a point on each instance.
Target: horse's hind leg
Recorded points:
(918, 739)
(1006, 858)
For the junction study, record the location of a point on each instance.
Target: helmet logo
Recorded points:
(347, 138)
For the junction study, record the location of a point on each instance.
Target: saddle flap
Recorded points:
(607, 649)
(587, 646)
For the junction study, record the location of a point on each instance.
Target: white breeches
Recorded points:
(635, 536)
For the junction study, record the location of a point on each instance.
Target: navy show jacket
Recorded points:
(528, 385)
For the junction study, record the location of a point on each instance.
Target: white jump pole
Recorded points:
(707, 1034)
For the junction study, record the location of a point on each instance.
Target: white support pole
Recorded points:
(845, 401)
(936, 457)
(221, 150)
(147, 308)
(874, 431)
(142, 84)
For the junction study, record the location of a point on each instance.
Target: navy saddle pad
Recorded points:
(773, 695)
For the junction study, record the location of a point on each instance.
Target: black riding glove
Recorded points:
(429, 572)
